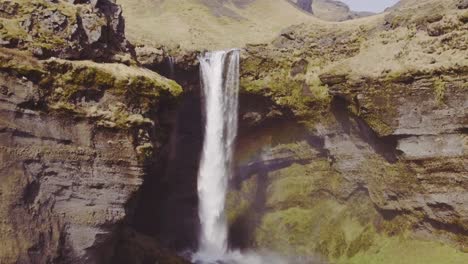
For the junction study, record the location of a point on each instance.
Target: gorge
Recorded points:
(351, 137)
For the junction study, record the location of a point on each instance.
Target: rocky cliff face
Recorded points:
(76, 138)
(346, 154)
(377, 152)
(67, 29)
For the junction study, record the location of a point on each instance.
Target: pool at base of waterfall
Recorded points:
(237, 257)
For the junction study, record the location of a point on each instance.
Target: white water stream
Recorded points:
(220, 80)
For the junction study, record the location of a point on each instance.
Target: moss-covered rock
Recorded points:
(69, 123)
(64, 29)
(69, 83)
(272, 75)
(21, 64)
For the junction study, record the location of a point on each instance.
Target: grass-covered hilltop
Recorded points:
(352, 144)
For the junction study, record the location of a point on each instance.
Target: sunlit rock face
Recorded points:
(329, 10)
(62, 181)
(337, 175)
(352, 142)
(72, 160)
(66, 29)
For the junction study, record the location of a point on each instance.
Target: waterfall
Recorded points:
(170, 64)
(220, 80)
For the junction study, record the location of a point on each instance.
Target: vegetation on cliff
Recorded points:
(69, 85)
(87, 29)
(375, 176)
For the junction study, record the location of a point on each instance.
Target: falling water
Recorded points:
(220, 79)
(170, 63)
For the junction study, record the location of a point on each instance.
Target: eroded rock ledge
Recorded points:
(73, 29)
(76, 137)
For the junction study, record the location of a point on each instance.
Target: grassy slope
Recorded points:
(194, 25)
(406, 46)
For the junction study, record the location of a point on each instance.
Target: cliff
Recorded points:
(352, 145)
(75, 136)
(371, 159)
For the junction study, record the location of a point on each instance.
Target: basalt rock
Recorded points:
(371, 144)
(74, 147)
(72, 30)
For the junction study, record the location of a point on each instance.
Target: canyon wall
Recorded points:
(361, 155)
(352, 145)
(76, 137)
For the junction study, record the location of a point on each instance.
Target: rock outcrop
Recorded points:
(75, 138)
(91, 29)
(329, 10)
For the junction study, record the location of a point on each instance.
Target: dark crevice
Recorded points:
(390, 215)
(162, 218)
(168, 207)
(246, 171)
(31, 191)
(448, 227)
(24, 134)
(455, 229)
(463, 130)
(33, 105)
(384, 146)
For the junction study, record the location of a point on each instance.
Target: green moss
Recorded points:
(145, 152)
(137, 86)
(282, 90)
(332, 240)
(399, 250)
(439, 90)
(304, 96)
(240, 202)
(378, 105)
(64, 108)
(19, 63)
(71, 79)
(303, 220)
(382, 176)
(13, 31)
(400, 77)
(378, 125)
(463, 17)
(48, 42)
(362, 243)
(296, 184)
(288, 231)
(10, 30)
(89, 77)
(334, 231)
(326, 228)
(398, 225)
(301, 150)
(290, 191)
